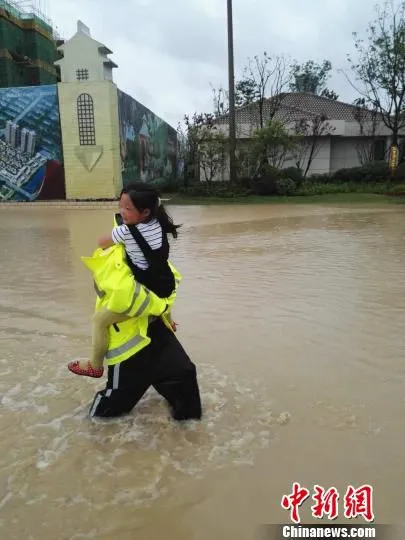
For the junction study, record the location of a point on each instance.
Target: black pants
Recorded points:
(163, 364)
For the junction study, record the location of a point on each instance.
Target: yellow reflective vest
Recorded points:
(118, 291)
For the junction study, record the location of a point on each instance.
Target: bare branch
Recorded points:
(367, 120)
(269, 77)
(310, 133)
(220, 99)
(380, 66)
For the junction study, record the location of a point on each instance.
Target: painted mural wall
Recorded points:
(31, 161)
(147, 143)
(31, 149)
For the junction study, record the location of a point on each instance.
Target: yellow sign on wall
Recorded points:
(393, 159)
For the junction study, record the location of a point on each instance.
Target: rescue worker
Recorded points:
(143, 350)
(142, 226)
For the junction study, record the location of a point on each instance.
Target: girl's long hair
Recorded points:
(147, 197)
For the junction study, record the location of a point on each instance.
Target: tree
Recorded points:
(309, 135)
(246, 91)
(270, 145)
(220, 100)
(368, 120)
(311, 77)
(182, 152)
(380, 66)
(207, 146)
(212, 156)
(196, 129)
(330, 94)
(264, 77)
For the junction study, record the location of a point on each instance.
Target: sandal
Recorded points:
(90, 371)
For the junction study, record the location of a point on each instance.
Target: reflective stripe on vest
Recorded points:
(113, 353)
(134, 297)
(144, 305)
(140, 310)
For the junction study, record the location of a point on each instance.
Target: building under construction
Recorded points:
(28, 46)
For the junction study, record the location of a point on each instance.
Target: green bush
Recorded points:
(314, 188)
(265, 186)
(272, 173)
(372, 172)
(267, 183)
(371, 178)
(246, 182)
(294, 173)
(285, 186)
(378, 172)
(396, 190)
(195, 190)
(215, 189)
(323, 178)
(400, 173)
(169, 185)
(227, 190)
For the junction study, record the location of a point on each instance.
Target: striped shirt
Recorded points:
(151, 231)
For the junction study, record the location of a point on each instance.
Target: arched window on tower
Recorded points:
(85, 119)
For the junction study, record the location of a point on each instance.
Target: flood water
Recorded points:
(295, 318)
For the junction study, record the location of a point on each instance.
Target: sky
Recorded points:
(171, 53)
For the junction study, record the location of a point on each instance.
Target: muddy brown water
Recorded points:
(295, 318)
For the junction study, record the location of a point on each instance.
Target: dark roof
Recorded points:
(295, 106)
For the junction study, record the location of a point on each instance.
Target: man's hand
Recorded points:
(174, 326)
